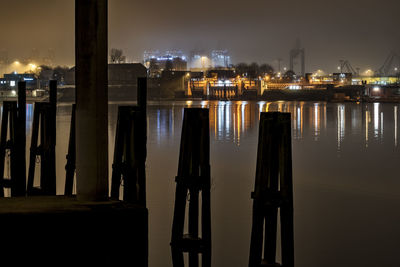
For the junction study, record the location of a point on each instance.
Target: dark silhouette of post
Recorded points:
(129, 165)
(193, 177)
(13, 124)
(91, 52)
(273, 189)
(71, 157)
(44, 118)
(19, 187)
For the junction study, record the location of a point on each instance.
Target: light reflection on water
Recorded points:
(231, 121)
(345, 165)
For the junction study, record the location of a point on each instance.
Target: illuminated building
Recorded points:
(172, 60)
(10, 81)
(220, 58)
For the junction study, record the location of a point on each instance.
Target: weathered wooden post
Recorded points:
(9, 122)
(273, 189)
(44, 119)
(19, 186)
(129, 165)
(71, 157)
(193, 177)
(13, 123)
(91, 41)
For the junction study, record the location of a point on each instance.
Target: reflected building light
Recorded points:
(215, 121)
(354, 120)
(294, 118)
(316, 121)
(395, 126)
(376, 120)
(301, 120)
(234, 124)
(260, 106)
(221, 109)
(158, 127)
(243, 107)
(367, 120)
(381, 125)
(227, 112)
(267, 107)
(238, 123)
(280, 104)
(172, 120)
(341, 125)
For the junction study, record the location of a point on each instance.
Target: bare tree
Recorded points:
(117, 56)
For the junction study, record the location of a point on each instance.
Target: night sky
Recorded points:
(363, 32)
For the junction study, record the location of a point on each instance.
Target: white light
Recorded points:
(12, 83)
(376, 89)
(13, 93)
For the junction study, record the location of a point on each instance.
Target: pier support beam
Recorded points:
(91, 99)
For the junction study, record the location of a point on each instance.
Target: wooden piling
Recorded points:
(193, 177)
(273, 190)
(129, 165)
(19, 186)
(14, 124)
(9, 123)
(43, 117)
(71, 157)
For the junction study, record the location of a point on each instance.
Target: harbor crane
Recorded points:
(391, 66)
(346, 67)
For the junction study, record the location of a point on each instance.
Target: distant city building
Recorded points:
(155, 62)
(10, 81)
(220, 58)
(200, 61)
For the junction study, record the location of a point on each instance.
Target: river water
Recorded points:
(346, 163)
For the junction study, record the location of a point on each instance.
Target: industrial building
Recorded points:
(10, 81)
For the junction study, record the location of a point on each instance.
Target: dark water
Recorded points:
(346, 163)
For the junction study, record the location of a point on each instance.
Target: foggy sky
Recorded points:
(363, 32)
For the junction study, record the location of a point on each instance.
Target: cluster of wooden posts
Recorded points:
(272, 192)
(273, 183)
(43, 142)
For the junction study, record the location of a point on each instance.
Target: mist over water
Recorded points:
(345, 170)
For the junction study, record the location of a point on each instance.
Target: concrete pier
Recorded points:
(58, 230)
(91, 52)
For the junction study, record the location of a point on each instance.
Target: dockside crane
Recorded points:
(391, 66)
(345, 67)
